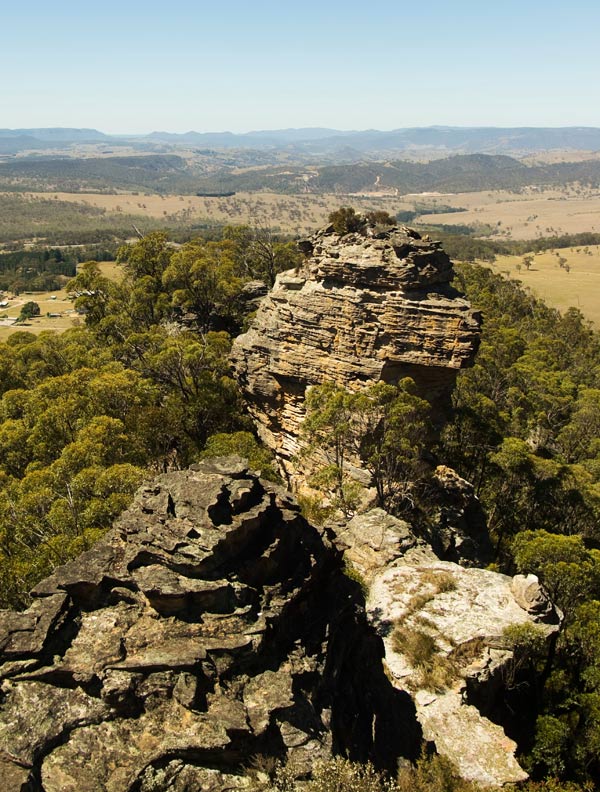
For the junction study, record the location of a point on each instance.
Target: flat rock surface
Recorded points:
(443, 627)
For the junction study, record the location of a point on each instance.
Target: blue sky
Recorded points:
(135, 66)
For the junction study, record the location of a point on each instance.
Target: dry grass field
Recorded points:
(524, 215)
(56, 303)
(295, 214)
(578, 286)
(528, 215)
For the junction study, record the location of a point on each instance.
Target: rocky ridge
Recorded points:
(213, 624)
(443, 629)
(375, 305)
(210, 625)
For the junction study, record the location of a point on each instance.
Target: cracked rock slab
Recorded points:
(163, 652)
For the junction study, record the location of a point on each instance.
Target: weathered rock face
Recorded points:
(365, 307)
(442, 627)
(211, 624)
(459, 528)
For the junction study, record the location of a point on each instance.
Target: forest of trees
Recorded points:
(85, 415)
(526, 431)
(146, 386)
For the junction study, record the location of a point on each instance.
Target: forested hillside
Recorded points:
(162, 173)
(170, 173)
(462, 173)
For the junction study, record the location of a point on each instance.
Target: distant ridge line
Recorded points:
(318, 140)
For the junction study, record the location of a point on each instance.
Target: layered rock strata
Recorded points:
(364, 307)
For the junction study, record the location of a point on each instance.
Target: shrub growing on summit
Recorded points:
(346, 220)
(380, 217)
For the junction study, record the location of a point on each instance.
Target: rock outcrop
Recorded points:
(443, 628)
(365, 307)
(213, 624)
(210, 625)
(458, 524)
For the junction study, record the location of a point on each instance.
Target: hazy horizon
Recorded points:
(129, 134)
(243, 67)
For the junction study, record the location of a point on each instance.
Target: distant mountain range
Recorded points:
(57, 134)
(451, 139)
(15, 141)
(321, 142)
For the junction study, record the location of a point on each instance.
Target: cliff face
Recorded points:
(213, 624)
(364, 307)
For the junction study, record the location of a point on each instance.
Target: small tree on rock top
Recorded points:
(346, 220)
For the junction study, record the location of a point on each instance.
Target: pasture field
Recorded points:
(513, 215)
(578, 286)
(55, 302)
(526, 215)
(294, 214)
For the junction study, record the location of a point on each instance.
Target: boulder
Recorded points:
(530, 595)
(374, 540)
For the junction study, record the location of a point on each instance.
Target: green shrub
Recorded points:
(381, 218)
(430, 774)
(434, 670)
(313, 509)
(243, 444)
(346, 220)
(340, 775)
(433, 774)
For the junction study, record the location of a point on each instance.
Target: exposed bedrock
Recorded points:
(444, 629)
(210, 625)
(213, 624)
(364, 307)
